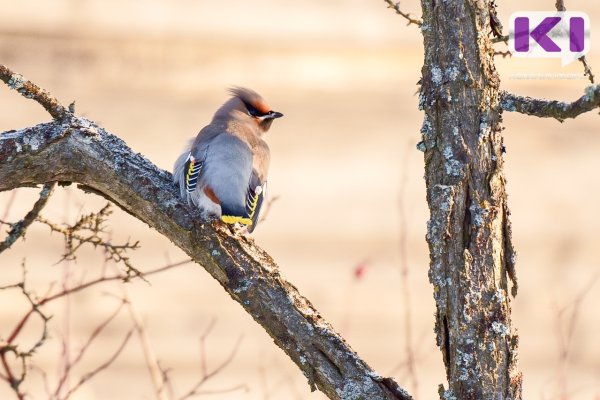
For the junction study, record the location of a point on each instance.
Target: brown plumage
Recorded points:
(224, 172)
(249, 96)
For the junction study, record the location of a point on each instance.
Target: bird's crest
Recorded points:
(252, 100)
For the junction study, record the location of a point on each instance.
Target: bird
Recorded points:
(223, 171)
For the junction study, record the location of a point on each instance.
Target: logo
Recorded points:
(538, 34)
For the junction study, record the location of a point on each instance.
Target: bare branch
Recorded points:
(7, 347)
(407, 16)
(552, 108)
(504, 54)
(89, 229)
(15, 381)
(77, 150)
(566, 322)
(66, 374)
(587, 70)
(100, 368)
(495, 24)
(404, 265)
(500, 39)
(104, 279)
(32, 91)
(36, 303)
(18, 229)
(157, 375)
(205, 375)
(207, 331)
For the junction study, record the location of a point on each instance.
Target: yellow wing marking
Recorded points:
(190, 171)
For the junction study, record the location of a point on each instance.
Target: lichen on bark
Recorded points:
(471, 252)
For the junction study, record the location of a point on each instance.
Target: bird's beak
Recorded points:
(274, 114)
(270, 115)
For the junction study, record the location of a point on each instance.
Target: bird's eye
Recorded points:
(252, 111)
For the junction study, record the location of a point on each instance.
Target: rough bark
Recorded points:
(469, 234)
(552, 108)
(73, 149)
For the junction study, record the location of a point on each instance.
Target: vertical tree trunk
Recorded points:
(468, 233)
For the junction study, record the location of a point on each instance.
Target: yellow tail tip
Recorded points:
(232, 219)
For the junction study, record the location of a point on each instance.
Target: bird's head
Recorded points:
(249, 106)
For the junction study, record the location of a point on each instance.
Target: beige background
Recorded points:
(345, 169)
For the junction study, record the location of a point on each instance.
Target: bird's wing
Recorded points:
(192, 169)
(257, 192)
(190, 165)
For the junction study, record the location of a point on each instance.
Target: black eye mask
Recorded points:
(253, 111)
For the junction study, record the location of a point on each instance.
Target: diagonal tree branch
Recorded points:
(74, 149)
(407, 16)
(18, 229)
(32, 91)
(552, 108)
(587, 70)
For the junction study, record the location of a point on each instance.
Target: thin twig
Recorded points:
(407, 16)
(240, 386)
(587, 70)
(95, 333)
(504, 54)
(18, 229)
(207, 331)
(552, 108)
(65, 357)
(205, 375)
(44, 380)
(117, 277)
(100, 368)
(7, 347)
(566, 332)
(495, 24)
(500, 39)
(405, 274)
(78, 288)
(265, 214)
(157, 375)
(89, 229)
(32, 91)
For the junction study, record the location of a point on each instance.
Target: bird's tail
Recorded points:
(231, 215)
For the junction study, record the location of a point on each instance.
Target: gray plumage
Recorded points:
(223, 171)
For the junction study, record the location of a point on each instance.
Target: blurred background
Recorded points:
(348, 226)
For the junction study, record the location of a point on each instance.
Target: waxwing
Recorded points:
(223, 171)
